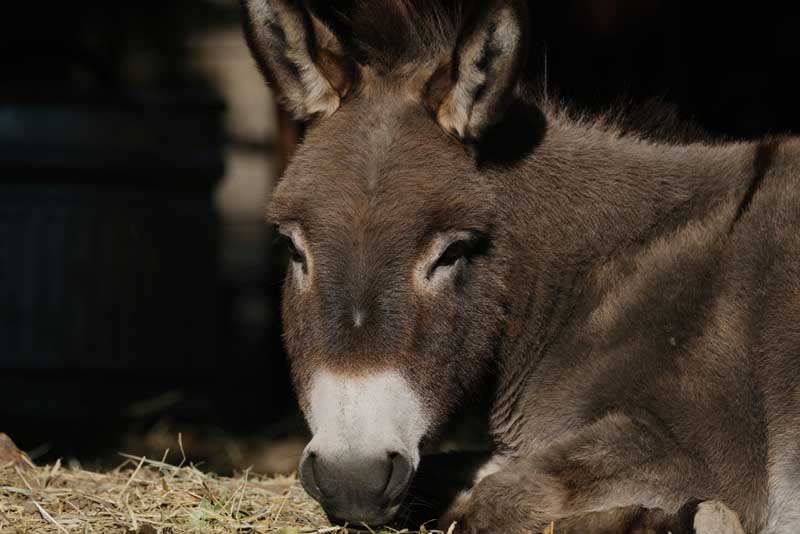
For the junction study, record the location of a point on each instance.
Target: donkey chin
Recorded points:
(365, 448)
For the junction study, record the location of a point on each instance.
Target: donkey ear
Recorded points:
(299, 55)
(471, 91)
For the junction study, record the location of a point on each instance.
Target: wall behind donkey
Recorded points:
(137, 287)
(137, 148)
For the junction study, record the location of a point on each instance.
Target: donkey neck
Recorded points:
(586, 196)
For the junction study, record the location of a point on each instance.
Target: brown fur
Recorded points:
(635, 304)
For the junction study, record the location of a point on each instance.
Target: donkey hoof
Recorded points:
(713, 517)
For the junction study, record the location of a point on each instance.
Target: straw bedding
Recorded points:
(144, 496)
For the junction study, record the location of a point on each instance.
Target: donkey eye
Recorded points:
(467, 248)
(294, 253)
(454, 252)
(460, 250)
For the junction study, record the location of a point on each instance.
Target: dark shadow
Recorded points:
(508, 142)
(439, 480)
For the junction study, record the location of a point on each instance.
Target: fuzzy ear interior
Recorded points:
(299, 55)
(469, 92)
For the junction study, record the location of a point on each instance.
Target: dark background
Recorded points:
(139, 288)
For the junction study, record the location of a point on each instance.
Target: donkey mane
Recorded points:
(656, 120)
(388, 34)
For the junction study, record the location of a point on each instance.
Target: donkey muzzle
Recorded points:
(358, 490)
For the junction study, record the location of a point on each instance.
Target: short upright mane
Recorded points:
(387, 34)
(656, 120)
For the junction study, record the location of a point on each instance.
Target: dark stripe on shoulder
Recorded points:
(765, 153)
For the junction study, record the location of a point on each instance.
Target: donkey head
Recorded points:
(394, 297)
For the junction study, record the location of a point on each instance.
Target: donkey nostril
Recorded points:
(308, 476)
(400, 474)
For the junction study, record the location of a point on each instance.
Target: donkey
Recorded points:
(632, 301)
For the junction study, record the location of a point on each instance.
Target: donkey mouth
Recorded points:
(367, 522)
(362, 515)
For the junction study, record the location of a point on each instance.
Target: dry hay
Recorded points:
(144, 496)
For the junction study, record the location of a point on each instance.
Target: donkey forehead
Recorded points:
(374, 167)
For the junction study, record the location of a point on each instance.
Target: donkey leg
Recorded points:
(708, 517)
(440, 480)
(617, 462)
